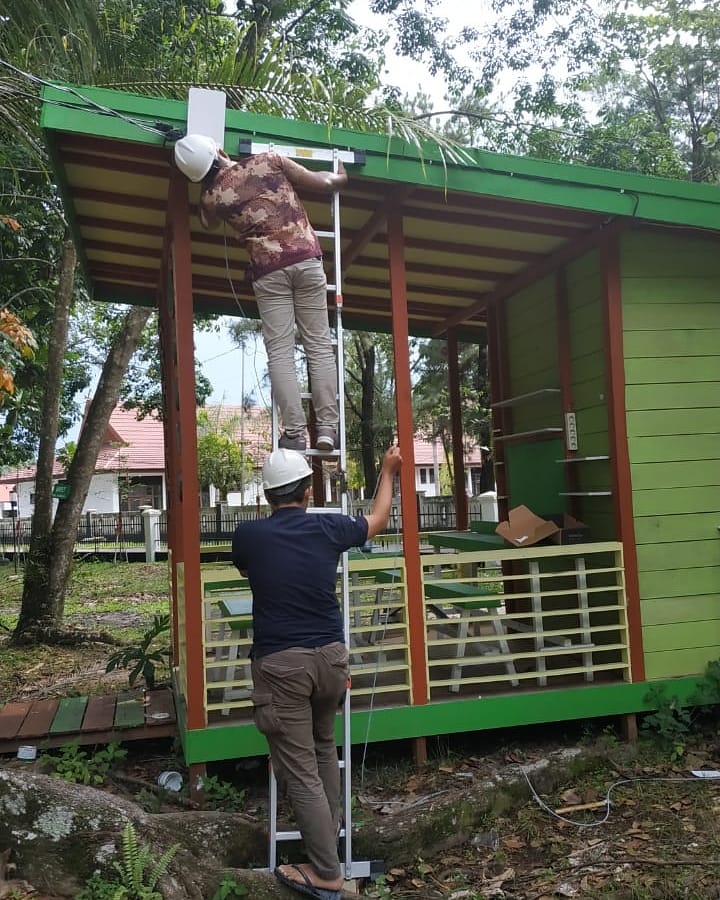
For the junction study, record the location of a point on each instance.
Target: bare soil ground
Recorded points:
(659, 836)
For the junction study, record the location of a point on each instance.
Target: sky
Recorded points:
(222, 361)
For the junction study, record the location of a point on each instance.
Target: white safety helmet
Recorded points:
(284, 467)
(194, 154)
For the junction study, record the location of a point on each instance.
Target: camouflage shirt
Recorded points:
(257, 199)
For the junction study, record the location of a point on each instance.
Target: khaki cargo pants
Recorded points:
(294, 295)
(296, 695)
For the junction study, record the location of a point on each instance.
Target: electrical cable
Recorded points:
(620, 781)
(242, 313)
(158, 128)
(376, 670)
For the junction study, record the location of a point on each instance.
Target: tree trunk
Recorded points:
(366, 360)
(43, 601)
(37, 610)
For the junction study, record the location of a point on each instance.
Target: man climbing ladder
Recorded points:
(256, 197)
(300, 663)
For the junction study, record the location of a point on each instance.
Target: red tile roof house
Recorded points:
(429, 459)
(130, 470)
(7, 501)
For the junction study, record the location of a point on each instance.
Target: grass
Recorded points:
(118, 598)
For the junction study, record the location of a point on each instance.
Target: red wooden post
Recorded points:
(168, 374)
(619, 454)
(403, 400)
(188, 498)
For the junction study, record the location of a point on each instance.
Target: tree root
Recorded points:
(63, 637)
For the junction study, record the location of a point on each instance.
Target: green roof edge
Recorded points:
(601, 191)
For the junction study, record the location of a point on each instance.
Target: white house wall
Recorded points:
(103, 495)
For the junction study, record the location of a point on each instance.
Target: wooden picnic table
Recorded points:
(465, 540)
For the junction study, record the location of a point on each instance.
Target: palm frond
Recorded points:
(83, 42)
(315, 106)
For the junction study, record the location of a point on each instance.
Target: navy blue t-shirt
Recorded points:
(291, 560)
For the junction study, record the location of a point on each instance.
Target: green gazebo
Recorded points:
(598, 294)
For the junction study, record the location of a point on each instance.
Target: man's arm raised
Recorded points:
(323, 182)
(378, 518)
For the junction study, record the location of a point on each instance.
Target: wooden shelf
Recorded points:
(578, 459)
(586, 494)
(524, 434)
(522, 398)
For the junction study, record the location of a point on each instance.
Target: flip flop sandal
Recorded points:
(306, 886)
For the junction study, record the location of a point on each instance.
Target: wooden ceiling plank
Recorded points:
(114, 198)
(374, 224)
(371, 262)
(510, 207)
(478, 251)
(96, 222)
(149, 168)
(544, 267)
(107, 147)
(471, 296)
(440, 214)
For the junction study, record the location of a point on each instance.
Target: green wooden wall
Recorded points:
(671, 335)
(587, 360)
(534, 478)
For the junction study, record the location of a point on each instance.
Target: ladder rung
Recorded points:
(330, 235)
(331, 287)
(363, 868)
(327, 453)
(288, 836)
(306, 395)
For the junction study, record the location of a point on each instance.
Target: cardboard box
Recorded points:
(571, 531)
(524, 528)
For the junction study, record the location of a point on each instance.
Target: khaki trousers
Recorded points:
(294, 295)
(296, 696)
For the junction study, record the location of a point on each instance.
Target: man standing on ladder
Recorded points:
(256, 197)
(300, 664)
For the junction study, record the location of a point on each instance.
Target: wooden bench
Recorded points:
(238, 609)
(227, 595)
(465, 599)
(468, 599)
(480, 526)
(465, 540)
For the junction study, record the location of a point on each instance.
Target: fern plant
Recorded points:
(140, 658)
(139, 877)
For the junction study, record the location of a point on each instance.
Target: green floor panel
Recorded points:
(130, 711)
(69, 715)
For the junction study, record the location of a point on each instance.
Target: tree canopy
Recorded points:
(617, 85)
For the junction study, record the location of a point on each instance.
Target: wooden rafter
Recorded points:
(544, 267)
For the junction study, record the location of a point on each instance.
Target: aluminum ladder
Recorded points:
(351, 868)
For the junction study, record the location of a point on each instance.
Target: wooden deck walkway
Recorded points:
(126, 716)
